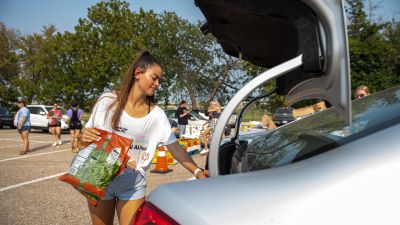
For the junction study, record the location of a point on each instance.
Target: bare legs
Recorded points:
(25, 142)
(56, 132)
(205, 135)
(103, 213)
(74, 139)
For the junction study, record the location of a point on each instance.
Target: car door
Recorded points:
(38, 116)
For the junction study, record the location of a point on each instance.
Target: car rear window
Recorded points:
(323, 131)
(3, 111)
(282, 110)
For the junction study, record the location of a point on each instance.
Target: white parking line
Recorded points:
(19, 145)
(9, 139)
(33, 155)
(31, 182)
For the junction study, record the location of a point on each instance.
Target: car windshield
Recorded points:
(323, 131)
(4, 111)
(283, 110)
(197, 115)
(170, 113)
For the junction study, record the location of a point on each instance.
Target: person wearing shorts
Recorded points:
(54, 117)
(75, 125)
(131, 112)
(214, 112)
(24, 126)
(130, 185)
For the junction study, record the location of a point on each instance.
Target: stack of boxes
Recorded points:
(192, 146)
(193, 131)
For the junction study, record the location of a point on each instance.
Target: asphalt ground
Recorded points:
(30, 192)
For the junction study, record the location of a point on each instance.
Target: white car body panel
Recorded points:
(340, 190)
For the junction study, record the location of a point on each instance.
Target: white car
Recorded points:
(195, 118)
(38, 116)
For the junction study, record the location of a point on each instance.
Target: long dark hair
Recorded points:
(143, 61)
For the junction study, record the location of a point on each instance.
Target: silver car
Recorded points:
(338, 166)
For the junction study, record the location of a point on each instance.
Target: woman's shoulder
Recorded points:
(107, 97)
(110, 94)
(158, 109)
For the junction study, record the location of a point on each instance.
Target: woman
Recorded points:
(131, 112)
(214, 111)
(24, 126)
(75, 125)
(183, 117)
(361, 91)
(55, 116)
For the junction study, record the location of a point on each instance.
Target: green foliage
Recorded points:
(9, 66)
(80, 65)
(374, 49)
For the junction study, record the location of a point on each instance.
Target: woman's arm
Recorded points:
(23, 119)
(59, 114)
(181, 155)
(49, 117)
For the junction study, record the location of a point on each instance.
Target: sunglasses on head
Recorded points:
(360, 95)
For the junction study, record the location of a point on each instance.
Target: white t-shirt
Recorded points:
(147, 132)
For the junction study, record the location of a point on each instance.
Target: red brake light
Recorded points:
(149, 214)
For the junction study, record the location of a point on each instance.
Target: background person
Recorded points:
(54, 117)
(183, 117)
(75, 125)
(174, 127)
(267, 122)
(214, 112)
(24, 126)
(131, 112)
(361, 91)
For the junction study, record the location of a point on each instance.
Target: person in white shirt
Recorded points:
(131, 112)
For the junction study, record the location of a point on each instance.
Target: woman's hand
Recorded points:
(202, 174)
(90, 135)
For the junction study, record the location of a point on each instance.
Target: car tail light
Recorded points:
(149, 214)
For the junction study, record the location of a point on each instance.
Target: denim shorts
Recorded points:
(130, 185)
(24, 128)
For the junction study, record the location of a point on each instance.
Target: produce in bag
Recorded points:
(91, 198)
(96, 165)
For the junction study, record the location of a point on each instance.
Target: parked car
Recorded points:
(338, 166)
(6, 118)
(283, 115)
(195, 118)
(38, 116)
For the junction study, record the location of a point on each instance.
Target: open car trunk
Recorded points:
(302, 43)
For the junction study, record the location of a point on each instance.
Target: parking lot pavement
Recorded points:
(30, 191)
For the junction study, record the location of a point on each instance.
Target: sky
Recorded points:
(29, 16)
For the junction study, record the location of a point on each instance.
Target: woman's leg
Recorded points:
(72, 132)
(76, 134)
(204, 135)
(126, 210)
(25, 137)
(103, 213)
(54, 134)
(58, 131)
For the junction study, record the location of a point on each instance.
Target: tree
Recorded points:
(9, 66)
(369, 47)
